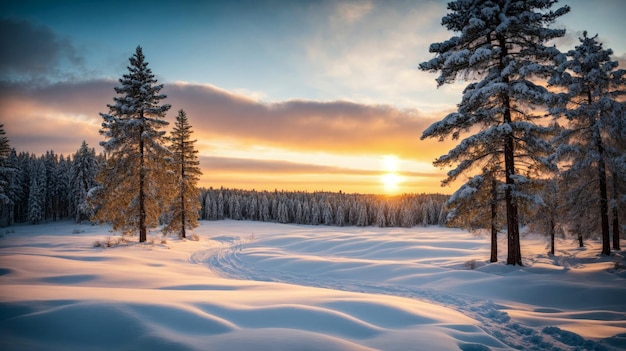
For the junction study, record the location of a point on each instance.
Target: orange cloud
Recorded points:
(59, 116)
(335, 127)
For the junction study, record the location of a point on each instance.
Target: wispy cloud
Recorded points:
(257, 173)
(351, 12)
(248, 165)
(313, 126)
(336, 127)
(376, 58)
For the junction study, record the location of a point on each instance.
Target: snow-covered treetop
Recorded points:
(593, 103)
(137, 109)
(139, 89)
(486, 29)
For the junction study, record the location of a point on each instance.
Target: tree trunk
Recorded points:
(580, 241)
(514, 254)
(552, 233)
(494, 214)
(142, 176)
(514, 250)
(604, 203)
(616, 235)
(182, 197)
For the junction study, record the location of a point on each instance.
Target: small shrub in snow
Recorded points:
(163, 241)
(471, 264)
(195, 237)
(110, 242)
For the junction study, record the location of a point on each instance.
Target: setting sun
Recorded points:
(390, 179)
(391, 182)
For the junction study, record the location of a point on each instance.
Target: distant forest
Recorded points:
(52, 187)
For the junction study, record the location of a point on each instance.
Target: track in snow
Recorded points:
(231, 261)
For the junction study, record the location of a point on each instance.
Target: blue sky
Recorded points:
(335, 60)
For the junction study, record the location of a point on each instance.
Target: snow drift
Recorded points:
(264, 286)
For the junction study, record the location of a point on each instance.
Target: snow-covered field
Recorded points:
(265, 286)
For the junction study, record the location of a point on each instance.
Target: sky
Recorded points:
(287, 95)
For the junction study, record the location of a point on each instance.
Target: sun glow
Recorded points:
(391, 180)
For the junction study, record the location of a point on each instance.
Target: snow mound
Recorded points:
(264, 286)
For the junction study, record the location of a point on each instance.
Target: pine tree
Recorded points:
(51, 187)
(135, 181)
(24, 165)
(185, 206)
(500, 43)
(63, 190)
(37, 193)
(7, 175)
(476, 207)
(14, 186)
(592, 108)
(84, 170)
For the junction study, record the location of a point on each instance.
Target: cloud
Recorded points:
(351, 12)
(31, 52)
(335, 127)
(376, 58)
(255, 166)
(53, 117)
(267, 174)
(70, 110)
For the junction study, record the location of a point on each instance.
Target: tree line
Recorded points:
(48, 187)
(324, 208)
(51, 187)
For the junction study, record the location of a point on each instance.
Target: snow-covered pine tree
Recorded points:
(475, 206)
(85, 168)
(135, 181)
(185, 206)
(362, 219)
(546, 219)
(14, 187)
(50, 188)
(501, 44)
(7, 174)
(381, 220)
(593, 107)
(37, 192)
(63, 174)
(24, 165)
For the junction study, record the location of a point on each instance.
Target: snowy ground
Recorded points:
(264, 286)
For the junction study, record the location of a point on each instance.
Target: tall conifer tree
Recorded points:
(7, 174)
(134, 181)
(499, 43)
(593, 106)
(185, 207)
(82, 179)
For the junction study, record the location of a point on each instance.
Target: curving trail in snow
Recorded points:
(432, 265)
(285, 287)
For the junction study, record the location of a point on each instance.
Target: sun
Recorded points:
(390, 180)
